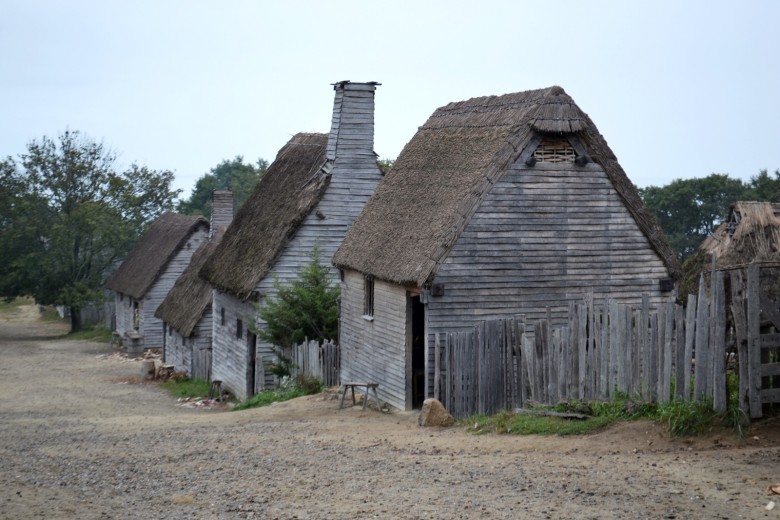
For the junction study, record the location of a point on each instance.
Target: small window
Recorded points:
(222, 316)
(121, 297)
(368, 298)
(239, 329)
(170, 331)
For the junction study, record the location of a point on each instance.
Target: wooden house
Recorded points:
(499, 206)
(309, 195)
(186, 310)
(147, 274)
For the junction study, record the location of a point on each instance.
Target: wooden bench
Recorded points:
(368, 386)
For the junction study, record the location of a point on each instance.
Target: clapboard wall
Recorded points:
(229, 352)
(375, 350)
(543, 237)
(183, 352)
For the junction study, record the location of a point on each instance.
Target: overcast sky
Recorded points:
(679, 89)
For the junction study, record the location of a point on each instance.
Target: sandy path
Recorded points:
(78, 443)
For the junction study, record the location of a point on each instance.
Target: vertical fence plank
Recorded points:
(666, 384)
(605, 354)
(652, 365)
(645, 346)
(690, 335)
(718, 346)
(679, 353)
(754, 341)
(739, 312)
(702, 344)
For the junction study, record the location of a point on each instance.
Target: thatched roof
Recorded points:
(190, 296)
(751, 233)
(422, 205)
(164, 238)
(290, 189)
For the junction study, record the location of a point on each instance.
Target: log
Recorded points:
(551, 413)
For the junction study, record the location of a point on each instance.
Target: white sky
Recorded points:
(679, 89)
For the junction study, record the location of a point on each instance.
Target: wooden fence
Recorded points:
(316, 360)
(605, 349)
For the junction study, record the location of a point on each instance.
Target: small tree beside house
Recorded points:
(304, 309)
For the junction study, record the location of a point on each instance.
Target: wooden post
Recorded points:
(582, 351)
(437, 368)
(754, 341)
(652, 369)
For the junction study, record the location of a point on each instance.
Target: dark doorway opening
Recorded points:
(251, 362)
(418, 352)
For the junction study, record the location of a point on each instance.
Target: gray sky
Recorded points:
(678, 89)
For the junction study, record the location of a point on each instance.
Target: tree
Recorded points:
(385, 164)
(306, 308)
(72, 217)
(234, 175)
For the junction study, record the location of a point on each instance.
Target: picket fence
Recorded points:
(316, 360)
(608, 348)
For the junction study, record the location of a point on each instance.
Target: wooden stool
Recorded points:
(368, 387)
(216, 388)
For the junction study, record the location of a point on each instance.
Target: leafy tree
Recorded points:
(71, 217)
(306, 308)
(235, 175)
(762, 187)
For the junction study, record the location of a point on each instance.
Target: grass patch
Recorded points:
(7, 304)
(187, 387)
(517, 424)
(288, 389)
(51, 314)
(95, 333)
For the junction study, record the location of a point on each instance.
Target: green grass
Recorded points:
(290, 389)
(187, 387)
(96, 333)
(12, 303)
(51, 314)
(681, 418)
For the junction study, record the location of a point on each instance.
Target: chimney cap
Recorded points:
(341, 84)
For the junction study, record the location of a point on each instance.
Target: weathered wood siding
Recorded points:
(354, 177)
(184, 353)
(229, 353)
(545, 236)
(124, 314)
(151, 328)
(375, 351)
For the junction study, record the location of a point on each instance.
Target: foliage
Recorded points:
(306, 308)
(96, 333)
(688, 210)
(385, 165)
(687, 418)
(288, 389)
(186, 387)
(67, 216)
(8, 304)
(680, 417)
(234, 175)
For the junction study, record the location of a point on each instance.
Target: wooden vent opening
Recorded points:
(555, 151)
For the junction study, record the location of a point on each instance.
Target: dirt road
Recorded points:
(79, 442)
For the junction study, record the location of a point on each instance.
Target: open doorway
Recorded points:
(251, 363)
(418, 351)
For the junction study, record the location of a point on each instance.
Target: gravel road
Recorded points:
(79, 441)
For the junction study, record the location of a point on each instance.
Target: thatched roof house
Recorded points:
(750, 233)
(445, 172)
(147, 274)
(146, 262)
(498, 206)
(293, 184)
(308, 197)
